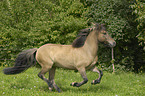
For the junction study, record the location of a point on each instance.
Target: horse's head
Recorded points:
(103, 36)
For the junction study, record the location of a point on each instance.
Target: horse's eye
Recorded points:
(104, 33)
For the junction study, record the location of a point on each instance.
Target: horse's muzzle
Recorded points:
(113, 44)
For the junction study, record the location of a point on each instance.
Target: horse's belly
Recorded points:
(65, 65)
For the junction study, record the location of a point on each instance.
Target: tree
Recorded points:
(117, 15)
(139, 11)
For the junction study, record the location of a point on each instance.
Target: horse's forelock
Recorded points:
(100, 27)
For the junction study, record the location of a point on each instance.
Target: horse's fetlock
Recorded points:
(85, 80)
(101, 72)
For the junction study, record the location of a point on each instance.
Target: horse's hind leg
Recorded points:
(43, 71)
(97, 81)
(51, 79)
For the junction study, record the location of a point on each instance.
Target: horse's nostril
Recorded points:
(114, 43)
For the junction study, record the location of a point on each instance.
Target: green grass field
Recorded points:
(28, 84)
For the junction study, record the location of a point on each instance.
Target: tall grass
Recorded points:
(28, 84)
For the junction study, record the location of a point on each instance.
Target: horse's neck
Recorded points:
(91, 44)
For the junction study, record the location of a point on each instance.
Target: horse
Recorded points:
(81, 55)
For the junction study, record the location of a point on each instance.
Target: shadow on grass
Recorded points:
(91, 89)
(82, 89)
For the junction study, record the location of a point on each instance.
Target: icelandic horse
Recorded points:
(81, 56)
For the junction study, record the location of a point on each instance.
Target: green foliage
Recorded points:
(33, 23)
(117, 15)
(139, 11)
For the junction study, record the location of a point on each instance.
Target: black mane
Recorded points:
(82, 36)
(80, 40)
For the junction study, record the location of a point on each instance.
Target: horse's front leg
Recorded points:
(84, 76)
(97, 81)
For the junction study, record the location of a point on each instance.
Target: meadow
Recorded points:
(112, 84)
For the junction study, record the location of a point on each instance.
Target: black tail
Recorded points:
(24, 60)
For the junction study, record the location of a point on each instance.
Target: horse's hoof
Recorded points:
(59, 90)
(75, 84)
(95, 82)
(50, 88)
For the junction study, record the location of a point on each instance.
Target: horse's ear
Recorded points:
(93, 24)
(97, 26)
(103, 26)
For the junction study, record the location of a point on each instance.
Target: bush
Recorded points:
(33, 23)
(117, 15)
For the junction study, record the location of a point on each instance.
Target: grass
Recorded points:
(28, 84)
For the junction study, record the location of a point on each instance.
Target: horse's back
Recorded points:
(48, 50)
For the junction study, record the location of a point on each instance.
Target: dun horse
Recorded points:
(81, 56)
